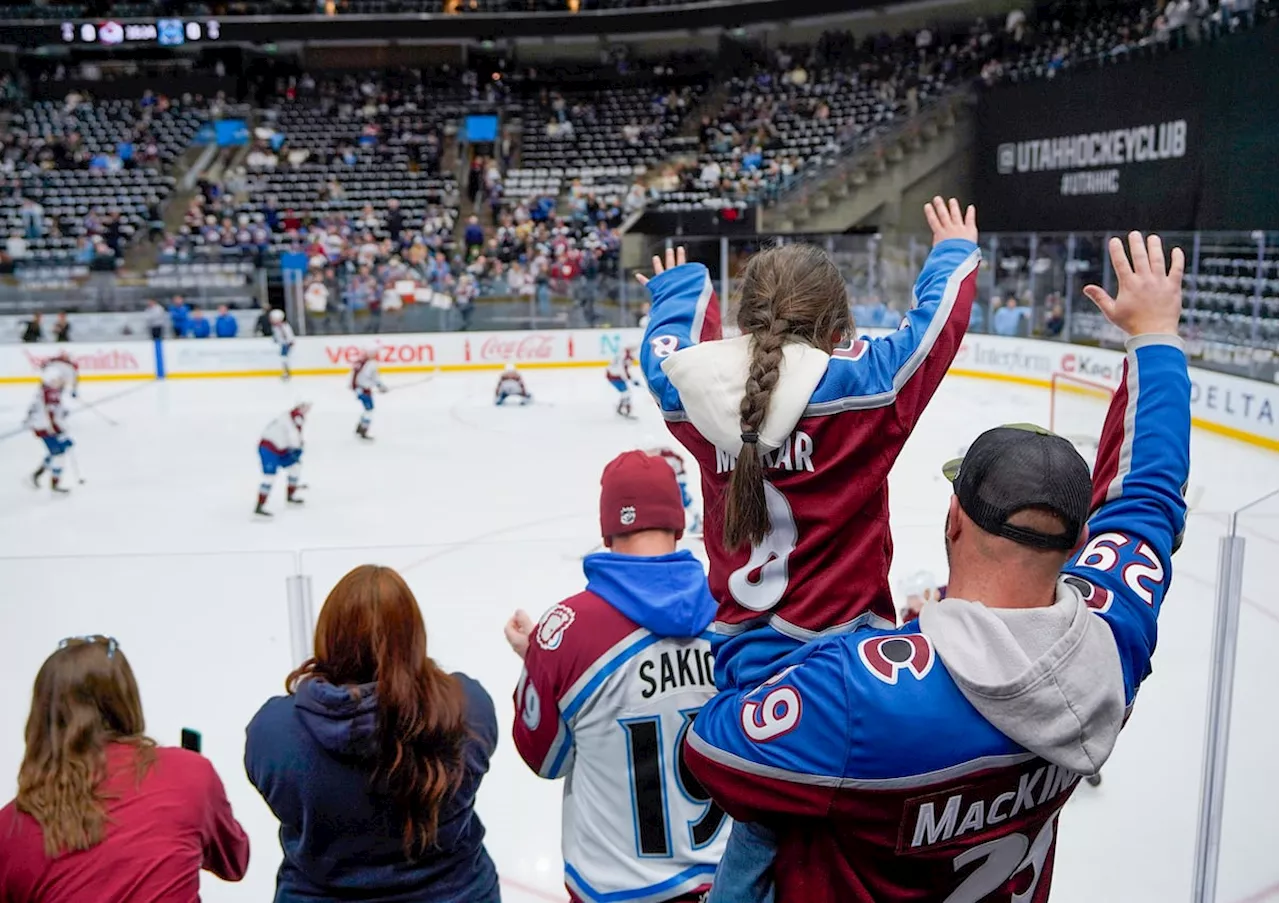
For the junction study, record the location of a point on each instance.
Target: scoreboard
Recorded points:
(161, 32)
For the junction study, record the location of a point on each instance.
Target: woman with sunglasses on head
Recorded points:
(102, 812)
(373, 760)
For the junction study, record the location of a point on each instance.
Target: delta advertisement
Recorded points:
(1182, 142)
(1243, 409)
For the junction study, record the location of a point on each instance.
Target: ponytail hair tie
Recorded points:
(750, 438)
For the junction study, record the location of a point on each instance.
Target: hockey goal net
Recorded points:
(1077, 409)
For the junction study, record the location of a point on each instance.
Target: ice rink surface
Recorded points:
(485, 509)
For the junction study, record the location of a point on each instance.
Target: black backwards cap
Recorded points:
(1020, 466)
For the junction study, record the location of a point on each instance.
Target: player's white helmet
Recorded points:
(300, 411)
(276, 316)
(54, 378)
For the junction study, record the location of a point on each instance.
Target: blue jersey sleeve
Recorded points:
(684, 310)
(1144, 456)
(905, 367)
(775, 748)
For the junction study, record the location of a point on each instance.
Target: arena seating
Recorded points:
(602, 133)
(347, 159)
(83, 162)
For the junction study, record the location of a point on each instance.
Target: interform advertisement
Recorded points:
(1180, 142)
(105, 360)
(1242, 408)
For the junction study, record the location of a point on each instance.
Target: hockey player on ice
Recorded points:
(281, 449)
(916, 590)
(364, 379)
(282, 335)
(682, 480)
(47, 419)
(511, 385)
(621, 378)
(635, 827)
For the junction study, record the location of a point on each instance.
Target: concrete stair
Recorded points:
(867, 187)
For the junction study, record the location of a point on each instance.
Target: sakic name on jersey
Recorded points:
(675, 670)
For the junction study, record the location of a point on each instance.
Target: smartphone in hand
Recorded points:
(191, 739)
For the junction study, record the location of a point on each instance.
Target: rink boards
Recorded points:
(1241, 409)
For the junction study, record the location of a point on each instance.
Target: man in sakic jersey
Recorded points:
(932, 761)
(613, 678)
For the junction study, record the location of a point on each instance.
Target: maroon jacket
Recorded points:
(161, 832)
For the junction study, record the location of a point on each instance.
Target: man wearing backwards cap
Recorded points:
(931, 762)
(613, 677)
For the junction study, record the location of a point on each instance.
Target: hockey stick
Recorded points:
(94, 408)
(412, 383)
(75, 464)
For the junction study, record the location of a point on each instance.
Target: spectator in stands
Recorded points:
(155, 316)
(1055, 319)
(372, 761)
(199, 326)
(1007, 320)
(102, 812)
(16, 247)
(32, 218)
(1177, 15)
(473, 237)
(641, 592)
(33, 333)
(977, 320)
(395, 218)
(62, 328)
(179, 313)
(85, 250)
(225, 326)
(464, 298)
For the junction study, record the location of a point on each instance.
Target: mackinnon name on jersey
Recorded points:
(796, 453)
(1007, 795)
(677, 669)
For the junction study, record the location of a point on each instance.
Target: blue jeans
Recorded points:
(745, 874)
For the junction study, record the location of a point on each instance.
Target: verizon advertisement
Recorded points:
(108, 360)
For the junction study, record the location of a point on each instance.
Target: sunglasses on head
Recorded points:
(96, 639)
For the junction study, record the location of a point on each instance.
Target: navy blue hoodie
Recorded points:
(311, 757)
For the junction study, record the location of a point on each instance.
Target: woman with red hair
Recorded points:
(373, 760)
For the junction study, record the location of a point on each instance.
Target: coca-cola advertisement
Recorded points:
(538, 346)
